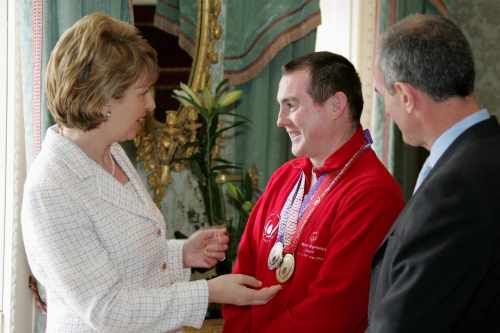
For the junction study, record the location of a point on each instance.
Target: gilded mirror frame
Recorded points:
(165, 147)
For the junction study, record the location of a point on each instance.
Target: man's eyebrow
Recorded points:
(287, 100)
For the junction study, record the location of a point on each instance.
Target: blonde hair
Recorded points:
(95, 60)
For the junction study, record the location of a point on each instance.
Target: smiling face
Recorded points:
(128, 111)
(310, 125)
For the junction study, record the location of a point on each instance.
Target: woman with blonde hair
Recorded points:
(92, 234)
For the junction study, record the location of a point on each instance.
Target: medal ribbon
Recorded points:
(287, 212)
(325, 187)
(308, 196)
(295, 213)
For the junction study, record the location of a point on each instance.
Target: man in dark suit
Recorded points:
(438, 270)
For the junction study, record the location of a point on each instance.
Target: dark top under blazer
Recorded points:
(438, 270)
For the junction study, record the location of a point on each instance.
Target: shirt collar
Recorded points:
(446, 139)
(336, 160)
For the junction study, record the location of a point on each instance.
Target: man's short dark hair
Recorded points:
(330, 73)
(429, 52)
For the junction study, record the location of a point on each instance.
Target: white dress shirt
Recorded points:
(445, 140)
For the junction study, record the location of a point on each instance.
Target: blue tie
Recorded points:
(426, 168)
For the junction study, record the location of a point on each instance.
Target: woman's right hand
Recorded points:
(239, 289)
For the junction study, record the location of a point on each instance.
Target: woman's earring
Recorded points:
(107, 115)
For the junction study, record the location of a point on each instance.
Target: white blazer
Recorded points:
(99, 248)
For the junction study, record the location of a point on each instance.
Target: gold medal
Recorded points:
(286, 268)
(275, 256)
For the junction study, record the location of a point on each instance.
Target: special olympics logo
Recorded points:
(313, 237)
(271, 226)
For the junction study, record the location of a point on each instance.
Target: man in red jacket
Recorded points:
(324, 214)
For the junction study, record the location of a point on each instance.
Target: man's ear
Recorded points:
(337, 103)
(407, 95)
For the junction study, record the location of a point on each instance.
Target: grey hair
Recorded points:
(429, 52)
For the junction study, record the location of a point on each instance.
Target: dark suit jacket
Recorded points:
(438, 270)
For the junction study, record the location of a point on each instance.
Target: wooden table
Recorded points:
(209, 326)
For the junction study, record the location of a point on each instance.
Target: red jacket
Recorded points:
(328, 291)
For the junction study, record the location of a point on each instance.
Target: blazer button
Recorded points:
(158, 232)
(164, 266)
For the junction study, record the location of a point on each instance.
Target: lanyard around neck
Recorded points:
(292, 223)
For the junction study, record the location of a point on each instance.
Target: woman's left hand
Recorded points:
(205, 247)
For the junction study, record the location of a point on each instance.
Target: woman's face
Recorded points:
(128, 111)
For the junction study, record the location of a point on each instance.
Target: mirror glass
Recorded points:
(174, 62)
(169, 139)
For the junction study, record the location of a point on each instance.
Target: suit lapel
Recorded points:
(379, 254)
(482, 129)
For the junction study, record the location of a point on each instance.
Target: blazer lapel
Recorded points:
(105, 187)
(115, 193)
(145, 201)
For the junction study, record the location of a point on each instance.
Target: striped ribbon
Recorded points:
(318, 196)
(293, 212)
(287, 207)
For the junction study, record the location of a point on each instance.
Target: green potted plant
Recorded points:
(207, 165)
(242, 198)
(214, 174)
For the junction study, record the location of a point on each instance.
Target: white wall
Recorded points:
(348, 28)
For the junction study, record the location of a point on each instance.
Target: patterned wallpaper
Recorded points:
(480, 21)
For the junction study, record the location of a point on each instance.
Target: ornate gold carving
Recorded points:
(165, 147)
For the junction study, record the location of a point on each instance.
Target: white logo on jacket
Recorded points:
(271, 226)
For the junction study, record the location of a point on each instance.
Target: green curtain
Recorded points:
(41, 24)
(262, 143)
(260, 36)
(178, 18)
(256, 30)
(56, 16)
(402, 160)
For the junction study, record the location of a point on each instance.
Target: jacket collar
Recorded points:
(106, 187)
(480, 130)
(336, 160)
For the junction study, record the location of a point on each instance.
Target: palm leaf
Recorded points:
(191, 93)
(235, 124)
(226, 167)
(236, 115)
(221, 87)
(221, 160)
(188, 102)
